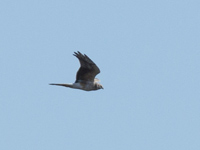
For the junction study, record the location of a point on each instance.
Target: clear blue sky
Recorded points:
(149, 56)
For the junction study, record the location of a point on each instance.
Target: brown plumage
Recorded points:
(85, 77)
(88, 69)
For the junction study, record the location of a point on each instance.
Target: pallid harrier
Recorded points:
(85, 77)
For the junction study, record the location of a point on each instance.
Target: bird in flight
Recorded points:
(85, 76)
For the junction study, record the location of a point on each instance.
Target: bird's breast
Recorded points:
(87, 86)
(77, 86)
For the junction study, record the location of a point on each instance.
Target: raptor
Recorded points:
(85, 76)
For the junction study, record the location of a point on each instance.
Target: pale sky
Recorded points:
(149, 56)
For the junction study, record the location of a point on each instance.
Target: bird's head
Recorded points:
(98, 86)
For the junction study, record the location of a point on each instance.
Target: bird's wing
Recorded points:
(88, 69)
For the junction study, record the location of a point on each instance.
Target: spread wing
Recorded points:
(88, 69)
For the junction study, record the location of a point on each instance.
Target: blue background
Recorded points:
(149, 56)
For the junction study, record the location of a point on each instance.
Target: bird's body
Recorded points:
(88, 86)
(85, 77)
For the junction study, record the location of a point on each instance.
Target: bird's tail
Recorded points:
(66, 85)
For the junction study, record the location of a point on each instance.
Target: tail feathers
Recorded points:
(66, 85)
